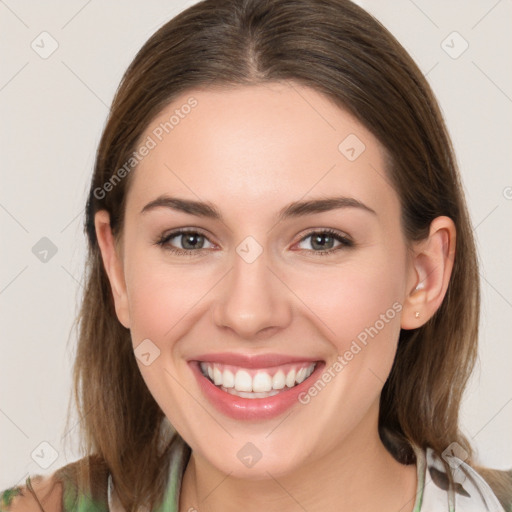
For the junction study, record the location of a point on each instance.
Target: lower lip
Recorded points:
(252, 408)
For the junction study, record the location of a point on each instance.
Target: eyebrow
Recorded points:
(295, 209)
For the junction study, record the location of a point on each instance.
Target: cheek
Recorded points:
(357, 304)
(156, 301)
(163, 302)
(357, 307)
(161, 295)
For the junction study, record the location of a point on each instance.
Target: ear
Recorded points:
(432, 264)
(113, 264)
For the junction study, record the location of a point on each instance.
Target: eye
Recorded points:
(322, 241)
(191, 241)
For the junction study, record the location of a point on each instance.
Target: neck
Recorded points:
(359, 474)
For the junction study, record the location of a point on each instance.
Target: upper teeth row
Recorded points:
(261, 382)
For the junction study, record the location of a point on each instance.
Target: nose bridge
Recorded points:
(252, 299)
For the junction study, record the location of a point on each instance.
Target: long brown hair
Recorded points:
(338, 49)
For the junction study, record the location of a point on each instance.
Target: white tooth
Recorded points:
(228, 379)
(210, 372)
(278, 381)
(310, 370)
(217, 376)
(243, 381)
(262, 382)
(290, 378)
(301, 375)
(204, 367)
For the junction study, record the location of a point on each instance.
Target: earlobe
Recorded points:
(432, 265)
(113, 265)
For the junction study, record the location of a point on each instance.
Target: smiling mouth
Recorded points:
(256, 383)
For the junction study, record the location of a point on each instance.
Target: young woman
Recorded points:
(282, 298)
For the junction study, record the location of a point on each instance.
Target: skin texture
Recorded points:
(251, 151)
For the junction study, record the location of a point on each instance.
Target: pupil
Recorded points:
(322, 245)
(189, 241)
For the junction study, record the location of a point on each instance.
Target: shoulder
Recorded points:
(60, 491)
(37, 494)
(453, 483)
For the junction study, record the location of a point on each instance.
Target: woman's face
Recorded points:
(257, 296)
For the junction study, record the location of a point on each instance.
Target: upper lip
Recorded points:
(252, 361)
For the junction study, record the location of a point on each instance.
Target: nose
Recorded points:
(253, 302)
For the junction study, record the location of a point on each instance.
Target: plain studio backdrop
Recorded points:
(61, 64)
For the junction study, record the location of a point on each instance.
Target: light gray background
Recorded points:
(52, 113)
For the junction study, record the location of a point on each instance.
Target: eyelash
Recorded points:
(164, 239)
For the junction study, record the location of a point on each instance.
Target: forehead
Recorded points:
(264, 145)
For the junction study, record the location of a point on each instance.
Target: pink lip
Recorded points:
(255, 361)
(253, 408)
